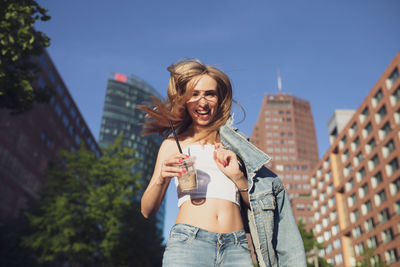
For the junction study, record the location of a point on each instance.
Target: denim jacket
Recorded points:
(273, 228)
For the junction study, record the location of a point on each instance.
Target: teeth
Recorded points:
(202, 112)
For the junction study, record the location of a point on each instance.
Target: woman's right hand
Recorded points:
(169, 168)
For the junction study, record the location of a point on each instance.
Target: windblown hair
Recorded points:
(183, 78)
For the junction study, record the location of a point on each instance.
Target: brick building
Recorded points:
(29, 141)
(285, 131)
(355, 186)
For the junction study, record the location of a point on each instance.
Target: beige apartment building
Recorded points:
(355, 186)
(285, 131)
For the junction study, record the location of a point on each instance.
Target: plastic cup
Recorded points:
(188, 180)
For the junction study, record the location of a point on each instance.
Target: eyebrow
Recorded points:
(207, 91)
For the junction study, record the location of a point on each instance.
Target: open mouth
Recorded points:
(203, 114)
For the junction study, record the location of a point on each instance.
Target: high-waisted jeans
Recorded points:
(190, 246)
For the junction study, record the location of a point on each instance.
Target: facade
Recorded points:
(29, 141)
(121, 116)
(355, 186)
(285, 131)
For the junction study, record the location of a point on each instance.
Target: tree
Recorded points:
(89, 214)
(19, 43)
(367, 259)
(311, 246)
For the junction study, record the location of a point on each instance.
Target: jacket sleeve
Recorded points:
(289, 244)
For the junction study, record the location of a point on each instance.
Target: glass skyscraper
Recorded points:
(121, 116)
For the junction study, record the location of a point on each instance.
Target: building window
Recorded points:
(392, 78)
(345, 155)
(388, 148)
(364, 114)
(383, 216)
(335, 229)
(394, 98)
(351, 200)
(397, 207)
(384, 131)
(392, 166)
(387, 235)
(363, 190)
(349, 185)
(367, 130)
(360, 174)
(394, 186)
(332, 202)
(337, 243)
(380, 114)
(366, 207)
(339, 258)
(359, 249)
(396, 116)
(354, 216)
(369, 224)
(58, 109)
(333, 215)
(370, 146)
(347, 170)
(380, 198)
(343, 142)
(358, 159)
(65, 121)
(355, 144)
(377, 98)
(353, 129)
(59, 90)
(372, 242)
(391, 256)
(373, 162)
(376, 180)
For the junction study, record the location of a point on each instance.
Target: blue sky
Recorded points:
(330, 53)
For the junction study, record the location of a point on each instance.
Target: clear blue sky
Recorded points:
(330, 53)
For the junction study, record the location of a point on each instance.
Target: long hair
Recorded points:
(180, 89)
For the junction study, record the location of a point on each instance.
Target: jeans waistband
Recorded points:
(202, 234)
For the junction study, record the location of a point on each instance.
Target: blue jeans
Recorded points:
(190, 246)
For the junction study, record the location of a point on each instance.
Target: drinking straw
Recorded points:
(176, 138)
(177, 142)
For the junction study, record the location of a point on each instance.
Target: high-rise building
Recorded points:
(121, 116)
(356, 185)
(285, 131)
(29, 141)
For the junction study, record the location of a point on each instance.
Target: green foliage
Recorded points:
(311, 245)
(19, 42)
(367, 256)
(89, 214)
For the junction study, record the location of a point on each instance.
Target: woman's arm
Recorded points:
(228, 163)
(163, 172)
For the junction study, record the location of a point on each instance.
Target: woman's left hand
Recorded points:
(227, 162)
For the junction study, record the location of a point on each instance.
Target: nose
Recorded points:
(204, 99)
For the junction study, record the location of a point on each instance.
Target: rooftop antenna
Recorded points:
(279, 81)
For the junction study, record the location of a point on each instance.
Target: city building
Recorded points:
(285, 131)
(121, 116)
(355, 186)
(29, 141)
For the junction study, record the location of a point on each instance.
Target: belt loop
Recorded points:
(236, 239)
(196, 230)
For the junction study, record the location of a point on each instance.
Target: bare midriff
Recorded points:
(214, 215)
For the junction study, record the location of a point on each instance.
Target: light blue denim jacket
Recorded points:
(273, 228)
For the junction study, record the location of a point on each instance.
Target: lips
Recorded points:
(203, 114)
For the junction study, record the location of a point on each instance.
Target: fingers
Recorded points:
(169, 167)
(223, 156)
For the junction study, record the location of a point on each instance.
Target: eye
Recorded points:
(211, 93)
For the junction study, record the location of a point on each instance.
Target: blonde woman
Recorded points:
(209, 229)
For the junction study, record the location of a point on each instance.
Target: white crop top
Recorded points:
(211, 181)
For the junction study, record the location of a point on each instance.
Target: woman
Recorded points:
(209, 229)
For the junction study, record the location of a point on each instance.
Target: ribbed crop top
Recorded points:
(211, 181)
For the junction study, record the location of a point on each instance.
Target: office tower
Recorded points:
(121, 116)
(285, 131)
(355, 186)
(29, 141)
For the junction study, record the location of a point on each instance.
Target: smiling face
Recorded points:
(203, 104)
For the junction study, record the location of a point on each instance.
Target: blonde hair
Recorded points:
(180, 90)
